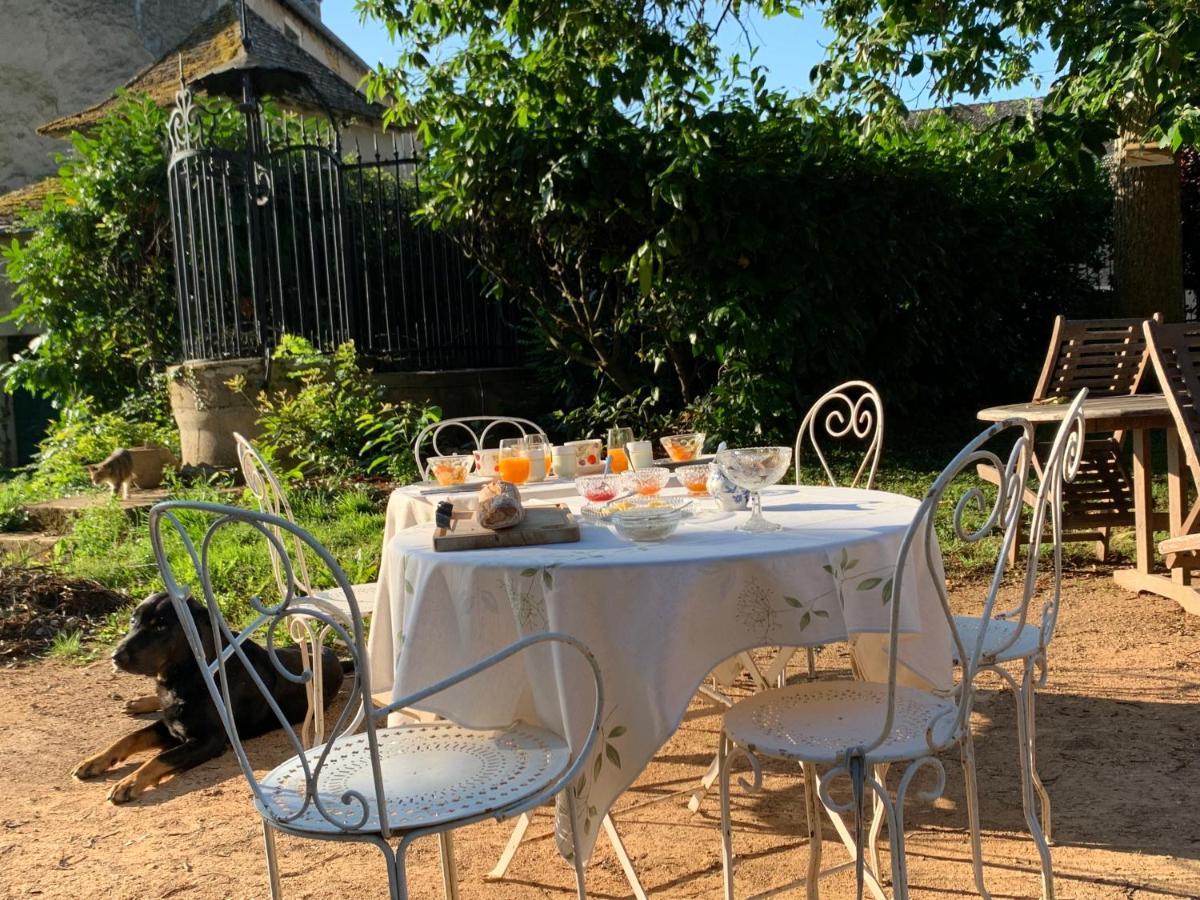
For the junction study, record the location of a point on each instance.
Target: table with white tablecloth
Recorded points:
(658, 616)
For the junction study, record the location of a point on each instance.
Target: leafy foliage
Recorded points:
(1119, 66)
(331, 420)
(96, 272)
(687, 240)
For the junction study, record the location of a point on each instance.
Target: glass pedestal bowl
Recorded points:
(755, 468)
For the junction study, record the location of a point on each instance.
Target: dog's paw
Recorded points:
(125, 790)
(140, 705)
(90, 768)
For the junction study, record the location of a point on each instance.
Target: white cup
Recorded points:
(564, 461)
(537, 465)
(641, 454)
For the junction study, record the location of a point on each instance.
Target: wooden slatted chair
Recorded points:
(1175, 353)
(1108, 357)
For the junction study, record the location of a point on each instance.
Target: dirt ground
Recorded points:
(1119, 730)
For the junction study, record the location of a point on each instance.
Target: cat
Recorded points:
(116, 471)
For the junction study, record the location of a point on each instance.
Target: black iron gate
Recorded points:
(285, 236)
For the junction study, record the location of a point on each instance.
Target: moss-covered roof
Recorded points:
(213, 57)
(22, 200)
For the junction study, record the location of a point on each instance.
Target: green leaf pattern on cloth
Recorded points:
(606, 752)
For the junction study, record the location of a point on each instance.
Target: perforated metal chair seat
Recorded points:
(816, 721)
(999, 633)
(433, 774)
(363, 593)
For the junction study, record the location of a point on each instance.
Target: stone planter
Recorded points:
(208, 413)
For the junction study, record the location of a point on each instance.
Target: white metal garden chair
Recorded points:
(860, 728)
(309, 634)
(383, 785)
(1012, 637)
(853, 412)
(470, 430)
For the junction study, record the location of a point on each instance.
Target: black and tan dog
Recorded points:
(190, 730)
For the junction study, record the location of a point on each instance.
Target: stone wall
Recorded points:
(60, 56)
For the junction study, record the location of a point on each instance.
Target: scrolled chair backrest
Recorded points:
(852, 410)
(214, 643)
(271, 498)
(919, 548)
(477, 430)
(1059, 468)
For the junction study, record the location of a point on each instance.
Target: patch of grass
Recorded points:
(110, 546)
(68, 645)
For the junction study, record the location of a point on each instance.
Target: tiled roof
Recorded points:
(23, 199)
(213, 57)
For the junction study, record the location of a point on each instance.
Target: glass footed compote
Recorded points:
(755, 468)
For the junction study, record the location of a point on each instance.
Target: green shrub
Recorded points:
(81, 435)
(95, 274)
(331, 420)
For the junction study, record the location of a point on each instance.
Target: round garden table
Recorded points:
(658, 616)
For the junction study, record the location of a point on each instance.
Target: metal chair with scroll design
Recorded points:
(1012, 636)
(382, 785)
(858, 728)
(1108, 357)
(476, 428)
(1175, 352)
(308, 634)
(850, 411)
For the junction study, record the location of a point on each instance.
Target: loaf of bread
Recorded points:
(499, 505)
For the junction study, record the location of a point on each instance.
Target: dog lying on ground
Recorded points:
(190, 730)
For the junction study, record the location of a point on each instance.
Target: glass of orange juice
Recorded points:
(514, 460)
(617, 439)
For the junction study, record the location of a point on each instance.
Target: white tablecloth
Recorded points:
(658, 617)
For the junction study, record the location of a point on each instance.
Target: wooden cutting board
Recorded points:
(541, 525)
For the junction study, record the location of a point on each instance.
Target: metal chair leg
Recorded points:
(726, 824)
(397, 878)
(812, 814)
(510, 849)
(1027, 793)
(576, 852)
(272, 861)
(623, 858)
(971, 791)
(877, 820)
(449, 870)
(1043, 794)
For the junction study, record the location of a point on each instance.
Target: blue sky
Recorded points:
(788, 47)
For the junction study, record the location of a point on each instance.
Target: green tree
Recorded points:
(701, 242)
(96, 272)
(1121, 66)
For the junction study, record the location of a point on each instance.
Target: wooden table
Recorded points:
(1139, 415)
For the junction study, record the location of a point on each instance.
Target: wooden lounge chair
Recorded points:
(1108, 357)
(1175, 353)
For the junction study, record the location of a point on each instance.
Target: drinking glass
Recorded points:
(617, 439)
(754, 468)
(514, 460)
(537, 442)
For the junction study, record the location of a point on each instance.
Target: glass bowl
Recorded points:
(645, 523)
(646, 482)
(447, 470)
(598, 488)
(602, 513)
(694, 478)
(755, 468)
(682, 447)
